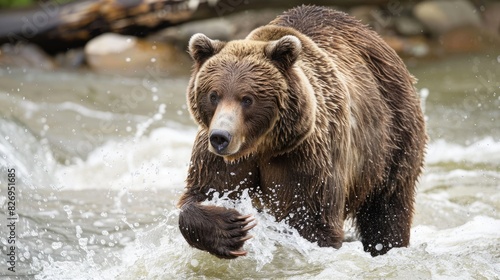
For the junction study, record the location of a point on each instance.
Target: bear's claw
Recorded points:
(250, 226)
(246, 238)
(218, 230)
(234, 234)
(238, 253)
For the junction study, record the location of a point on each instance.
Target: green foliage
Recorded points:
(15, 3)
(5, 4)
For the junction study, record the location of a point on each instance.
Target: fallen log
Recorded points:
(57, 27)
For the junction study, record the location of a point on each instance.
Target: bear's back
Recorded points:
(350, 42)
(313, 20)
(328, 28)
(379, 87)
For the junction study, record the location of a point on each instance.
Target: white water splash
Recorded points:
(450, 238)
(158, 160)
(484, 150)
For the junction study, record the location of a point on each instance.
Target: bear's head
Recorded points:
(250, 96)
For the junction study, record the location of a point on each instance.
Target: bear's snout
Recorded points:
(220, 139)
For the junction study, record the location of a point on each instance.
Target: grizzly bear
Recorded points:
(318, 119)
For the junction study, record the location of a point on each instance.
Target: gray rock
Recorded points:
(244, 22)
(217, 28)
(25, 55)
(234, 26)
(367, 14)
(408, 26)
(72, 59)
(440, 16)
(491, 15)
(113, 53)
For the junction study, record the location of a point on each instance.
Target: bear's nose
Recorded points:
(220, 139)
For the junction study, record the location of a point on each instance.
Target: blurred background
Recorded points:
(76, 34)
(93, 118)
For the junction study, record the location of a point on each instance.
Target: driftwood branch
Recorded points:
(57, 27)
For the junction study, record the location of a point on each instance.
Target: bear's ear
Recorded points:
(284, 51)
(202, 48)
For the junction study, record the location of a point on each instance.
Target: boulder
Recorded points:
(219, 28)
(244, 22)
(468, 39)
(491, 16)
(415, 46)
(72, 59)
(441, 16)
(366, 14)
(130, 55)
(408, 26)
(230, 27)
(25, 55)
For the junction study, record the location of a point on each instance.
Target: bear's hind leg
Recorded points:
(384, 220)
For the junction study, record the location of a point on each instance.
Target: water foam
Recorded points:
(158, 160)
(278, 251)
(486, 150)
(162, 252)
(31, 157)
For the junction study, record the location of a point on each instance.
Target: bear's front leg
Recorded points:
(217, 230)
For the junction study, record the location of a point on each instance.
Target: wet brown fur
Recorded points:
(336, 132)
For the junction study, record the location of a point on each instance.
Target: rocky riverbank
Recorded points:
(427, 29)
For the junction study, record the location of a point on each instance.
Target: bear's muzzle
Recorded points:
(220, 139)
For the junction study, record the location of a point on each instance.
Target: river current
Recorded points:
(100, 161)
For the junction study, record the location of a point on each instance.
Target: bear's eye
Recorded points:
(246, 101)
(214, 98)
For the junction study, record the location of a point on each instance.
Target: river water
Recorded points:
(100, 161)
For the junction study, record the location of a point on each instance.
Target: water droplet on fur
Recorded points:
(379, 247)
(194, 263)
